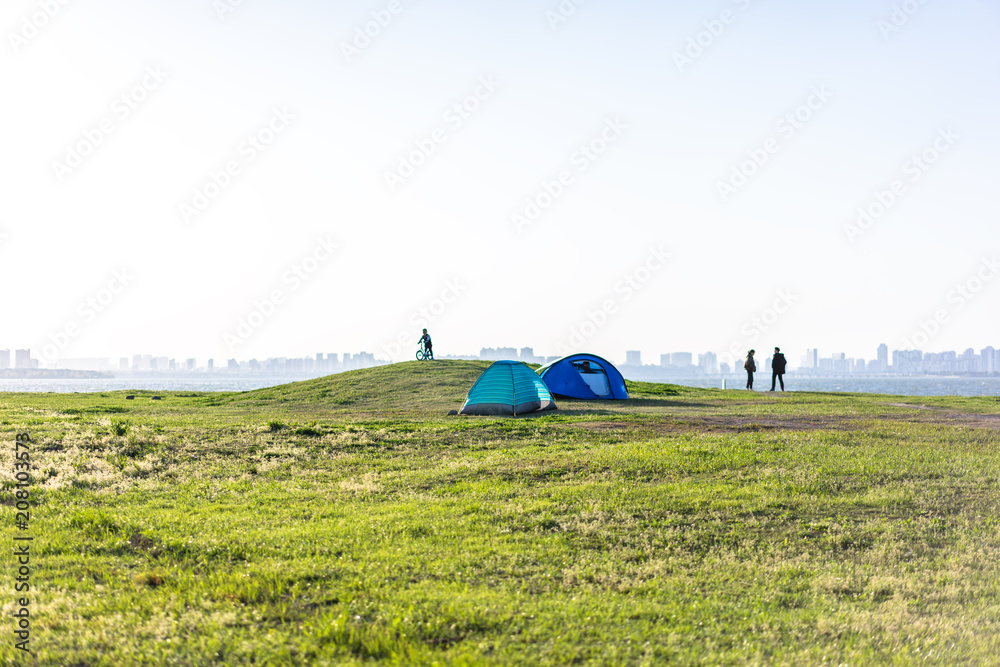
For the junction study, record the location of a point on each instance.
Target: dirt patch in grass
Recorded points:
(754, 424)
(946, 417)
(720, 424)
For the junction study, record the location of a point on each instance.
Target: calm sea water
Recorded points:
(910, 386)
(153, 384)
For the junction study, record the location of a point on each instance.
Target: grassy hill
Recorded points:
(348, 520)
(411, 387)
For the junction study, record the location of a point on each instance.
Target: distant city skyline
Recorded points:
(969, 361)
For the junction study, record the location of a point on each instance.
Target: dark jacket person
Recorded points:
(778, 368)
(749, 366)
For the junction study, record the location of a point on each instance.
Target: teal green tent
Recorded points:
(508, 388)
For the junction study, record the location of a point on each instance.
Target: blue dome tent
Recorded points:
(584, 376)
(508, 388)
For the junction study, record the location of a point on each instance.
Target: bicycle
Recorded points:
(424, 353)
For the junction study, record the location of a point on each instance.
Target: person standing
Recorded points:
(750, 367)
(778, 368)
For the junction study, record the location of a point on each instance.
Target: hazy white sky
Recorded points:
(215, 178)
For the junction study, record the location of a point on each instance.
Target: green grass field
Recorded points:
(348, 520)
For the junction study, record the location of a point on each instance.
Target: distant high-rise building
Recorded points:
(883, 357)
(633, 358)
(211, 365)
(664, 360)
(811, 358)
(681, 359)
(841, 364)
(708, 363)
(190, 365)
(498, 354)
(968, 362)
(988, 354)
(22, 359)
(86, 364)
(4, 358)
(907, 361)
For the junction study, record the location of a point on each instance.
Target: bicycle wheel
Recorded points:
(420, 355)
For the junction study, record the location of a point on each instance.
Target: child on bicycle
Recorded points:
(425, 340)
